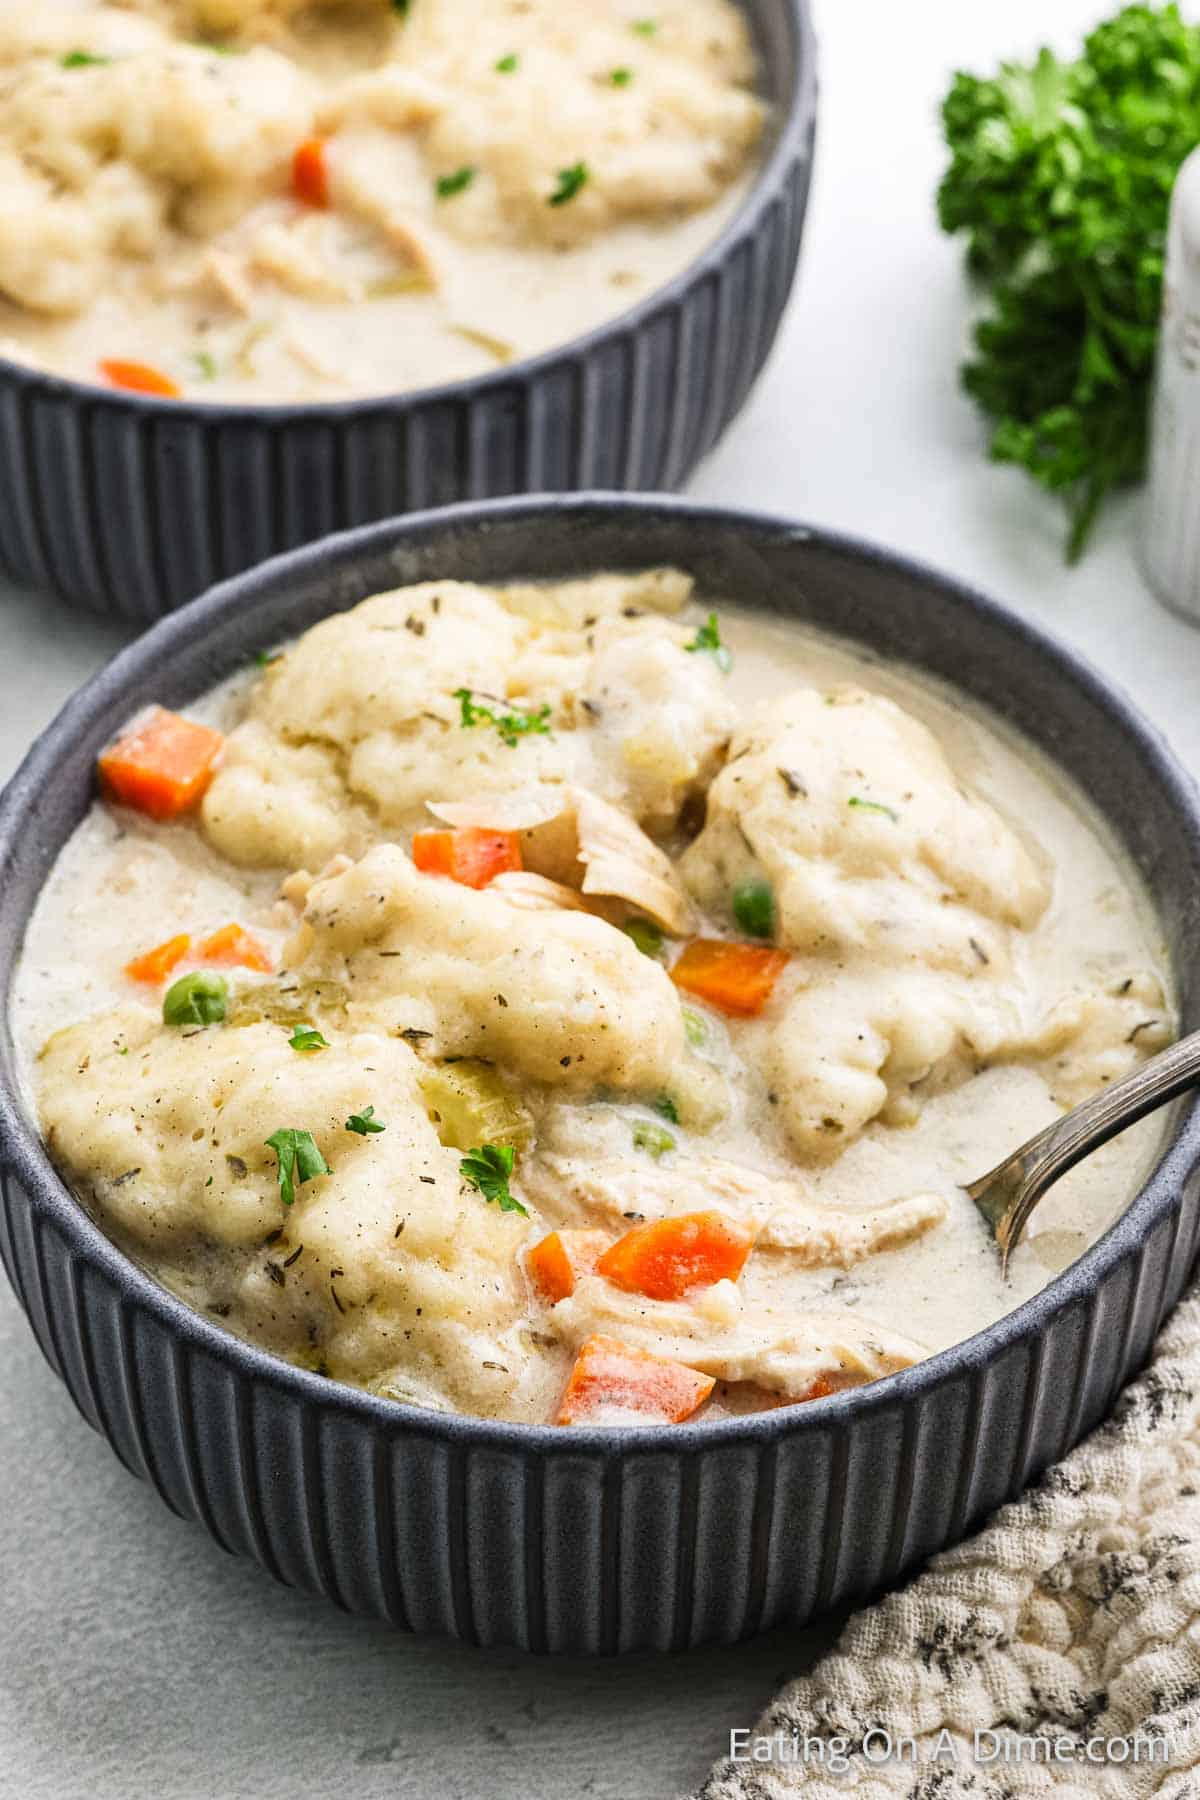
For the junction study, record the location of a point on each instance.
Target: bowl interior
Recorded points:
(898, 610)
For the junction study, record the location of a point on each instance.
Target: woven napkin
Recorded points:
(1066, 1634)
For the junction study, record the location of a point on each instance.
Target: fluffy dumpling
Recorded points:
(101, 160)
(556, 997)
(850, 810)
(390, 1266)
(447, 689)
(665, 142)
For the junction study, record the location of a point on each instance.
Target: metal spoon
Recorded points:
(1007, 1196)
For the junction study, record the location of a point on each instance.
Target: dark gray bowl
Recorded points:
(131, 505)
(590, 1540)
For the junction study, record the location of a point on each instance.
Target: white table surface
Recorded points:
(137, 1660)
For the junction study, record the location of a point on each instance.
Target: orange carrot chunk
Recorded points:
(611, 1377)
(310, 173)
(669, 1258)
(471, 856)
(156, 964)
(737, 978)
(161, 765)
(232, 947)
(139, 378)
(556, 1263)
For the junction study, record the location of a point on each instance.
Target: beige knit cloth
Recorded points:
(1072, 1620)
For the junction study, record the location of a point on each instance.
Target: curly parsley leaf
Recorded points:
(708, 638)
(513, 722)
(1060, 177)
(365, 1123)
(299, 1160)
(488, 1168)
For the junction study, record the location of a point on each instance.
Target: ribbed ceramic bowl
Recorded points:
(584, 1539)
(131, 505)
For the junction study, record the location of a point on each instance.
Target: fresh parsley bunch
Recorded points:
(1061, 175)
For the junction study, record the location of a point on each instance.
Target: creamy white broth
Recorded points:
(147, 150)
(123, 884)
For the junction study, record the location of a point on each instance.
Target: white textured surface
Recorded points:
(135, 1659)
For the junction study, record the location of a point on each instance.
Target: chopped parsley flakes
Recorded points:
(644, 27)
(307, 1037)
(708, 639)
(82, 59)
(365, 1123)
(508, 65)
(299, 1160)
(621, 77)
(457, 183)
(875, 806)
(513, 723)
(569, 183)
(488, 1168)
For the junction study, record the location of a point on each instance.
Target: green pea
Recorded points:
(646, 935)
(652, 1138)
(754, 908)
(196, 999)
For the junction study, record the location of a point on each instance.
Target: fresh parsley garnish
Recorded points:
(488, 1168)
(206, 364)
(644, 27)
(401, 7)
(1060, 176)
(875, 806)
(508, 65)
(753, 905)
(621, 77)
(513, 723)
(666, 1108)
(82, 59)
(569, 183)
(264, 658)
(299, 1160)
(307, 1037)
(708, 639)
(646, 935)
(365, 1123)
(652, 1138)
(449, 185)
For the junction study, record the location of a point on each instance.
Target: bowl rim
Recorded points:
(23, 1155)
(797, 121)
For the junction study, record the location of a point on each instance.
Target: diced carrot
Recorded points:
(820, 1387)
(232, 947)
(310, 173)
(471, 856)
(556, 1263)
(139, 378)
(161, 765)
(668, 1258)
(612, 1377)
(738, 978)
(156, 964)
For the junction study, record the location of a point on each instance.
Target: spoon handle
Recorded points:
(1007, 1196)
